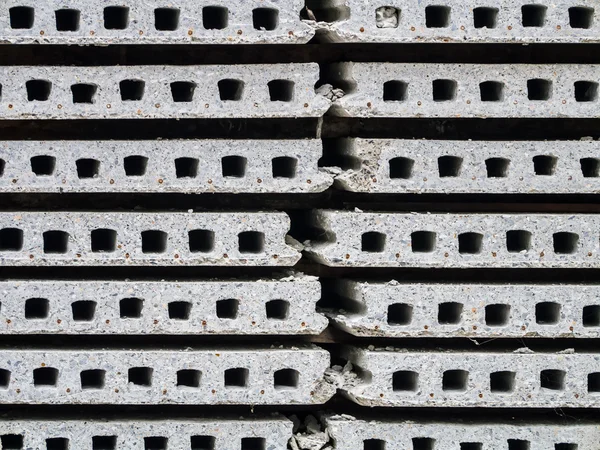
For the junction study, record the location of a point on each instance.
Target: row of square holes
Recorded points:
(47, 377)
(517, 241)
(131, 308)
(136, 166)
(502, 382)
(165, 19)
(205, 442)
(438, 16)
(104, 240)
(181, 91)
(444, 90)
(496, 315)
(424, 443)
(451, 166)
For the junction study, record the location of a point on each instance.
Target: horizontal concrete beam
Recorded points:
(475, 310)
(153, 22)
(141, 239)
(248, 376)
(350, 433)
(484, 21)
(456, 240)
(521, 167)
(190, 166)
(262, 91)
(404, 378)
(470, 90)
(142, 434)
(113, 307)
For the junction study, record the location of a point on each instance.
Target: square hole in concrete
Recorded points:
(591, 316)
(449, 166)
(266, 19)
(87, 168)
(131, 308)
(155, 443)
(116, 17)
(21, 17)
(553, 379)
(491, 91)
(581, 17)
(140, 376)
(455, 380)
(104, 442)
(497, 315)
(67, 19)
(387, 17)
(485, 17)
(56, 241)
(281, 90)
(189, 378)
(586, 91)
(502, 382)
(166, 19)
(470, 243)
(518, 241)
(11, 240)
(251, 242)
(202, 442)
(227, 308)
(2, 162)
(444, 90)
(423, 241)
(154, 241)
(590, 167)
(593, 382)
(179, 310)
(37, 308)
(565, 243)
(11, 441)
(92, 379)
(186, 167)
(399, 314)
(132, 90)
(374, 444)
(449, 313)
(471, 446)
(135, 165)
(547, 313)
(423, 443)
(373, 242)
(277, 309)
(230, 89)
(215, 17)
(539, 90)
(83, 310)
(437, 16)
(104, 240)
(497, 167)
(84, 92)
(284, 167)
(237, 377)
(45, 377)
(43, 165)
(401, 167)
(234, 166)
(4, 378)
(565, 446)
(57, 443)
(201, 241)
(405, 380)
(183, 91)
(533, 15)
(544, 165)
(518, 444)
(286, 379)
(395, 91)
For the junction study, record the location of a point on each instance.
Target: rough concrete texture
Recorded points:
(259, 307)
(146, 239)
(523, 379)
(192, 166)
(260, 91)
(175, 22)
(218, 434)
(487, 21)
(352, 434)
(218, 376)
(518, 167)
(456, 240)
(467, 310)
(454, 90)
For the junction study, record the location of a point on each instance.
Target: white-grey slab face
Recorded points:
(350, 433)
(86, 22)
(130, 92)
(356, 239)
(485, 21)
